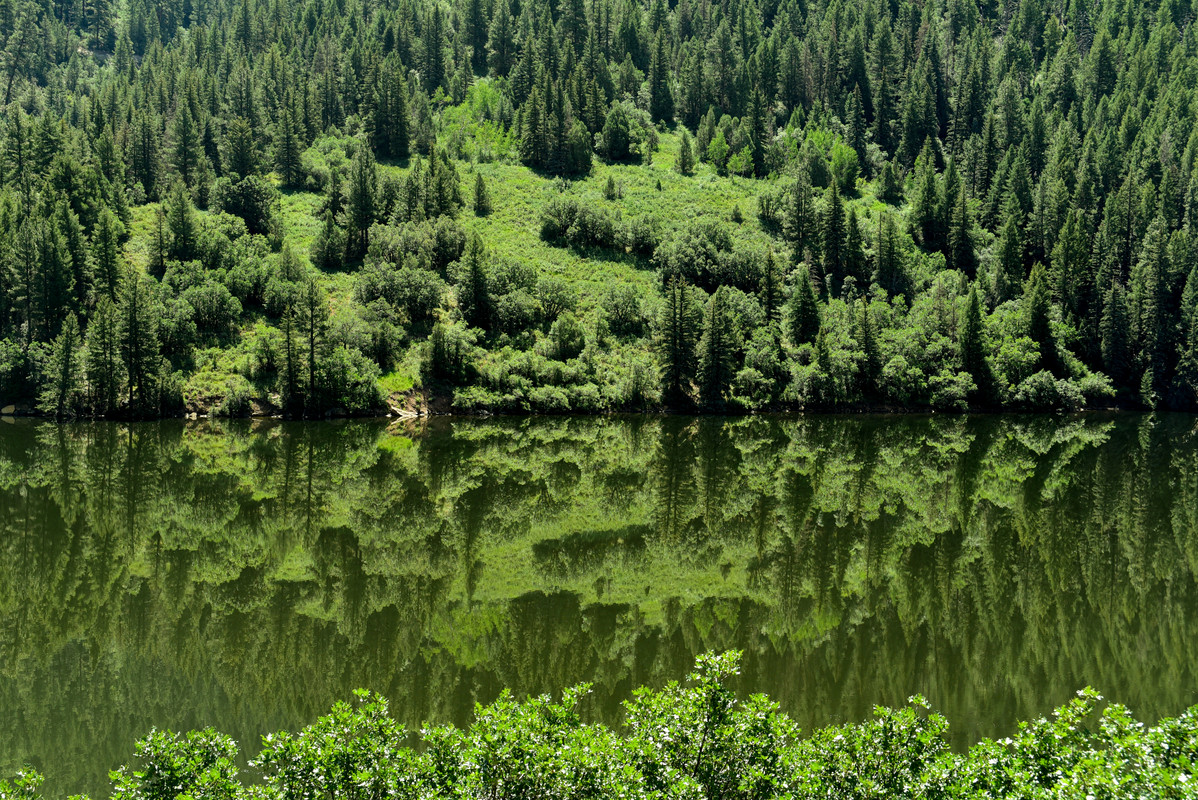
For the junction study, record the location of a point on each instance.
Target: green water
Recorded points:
(245, 577)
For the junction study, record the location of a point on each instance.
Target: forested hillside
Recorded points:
(314, 206)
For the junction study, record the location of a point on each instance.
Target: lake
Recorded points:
(247, 575)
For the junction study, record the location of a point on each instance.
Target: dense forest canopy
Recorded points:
(597, 204)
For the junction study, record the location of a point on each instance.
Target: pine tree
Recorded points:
(802, 310)
(360, 206)
(961, 255)
(181, 224)
(328, 250)
(61, 395)
(107, 254)
(102, 360)
(716, 351)
(287, 145)
(889, 270)
(925, 213)
(474, 290)
(685, 165)
(832, 240)
(661, 98)
(1036, 307)
(311, 319)
(1008, 267)
(501, 41)
(867, 340)
(138, 334)
(678, 335)
(854, 251)
(482, 198)
(758, 130)
(241, 156)
(187, 150)
(1116, 346)
(973, 348)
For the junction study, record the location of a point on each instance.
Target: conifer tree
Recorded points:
(832, 240)
(474, 290)
(287, 145)
(961, 254)
(60, 398)
(802, 310)
(107, 254)
(361, 203)
(716, 351)
(186, 150)
(661, 98)
(102, 360)
(138, 333)
(482, 198)
(973, 348)
(678, 335)
(685, 165)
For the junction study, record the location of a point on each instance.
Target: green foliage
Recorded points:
(687, 740)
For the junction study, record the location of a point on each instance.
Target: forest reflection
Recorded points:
(246, 576)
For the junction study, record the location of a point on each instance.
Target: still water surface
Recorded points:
(246, 577)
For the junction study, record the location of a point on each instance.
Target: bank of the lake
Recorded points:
(248, 574)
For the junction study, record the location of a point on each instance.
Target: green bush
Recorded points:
(696, 739)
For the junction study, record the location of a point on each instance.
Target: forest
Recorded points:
(314, 207)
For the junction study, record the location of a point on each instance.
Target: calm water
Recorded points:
(182, 575)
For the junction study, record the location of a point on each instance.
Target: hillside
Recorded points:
(344, 207)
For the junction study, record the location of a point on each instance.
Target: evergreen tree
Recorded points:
(661, 98)
(679, 332)
(685, 165)
(802, 310)
(1036, 307)
(187, 149)
(716, 351)
(854, 251)
(102, 360)
(973, 349)
(107, 254)
(832, 240)
(474, 289)
(360, 205)
(482, 198)
(758, 131)
(139, 346)
(1116, 346)
(181, 224)
(311, 314)
(889, 270)
(61, 395)
(328, 250)
(241, 156)
(961, 255)
(287, 145)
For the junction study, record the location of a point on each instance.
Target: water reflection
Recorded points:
(183, 575)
